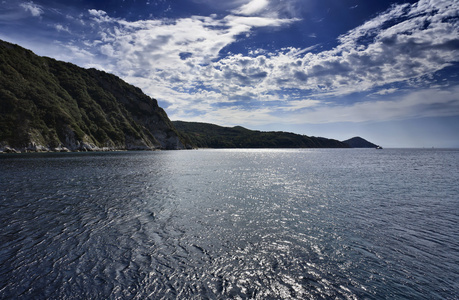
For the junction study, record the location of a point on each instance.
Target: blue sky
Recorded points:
(384, 70)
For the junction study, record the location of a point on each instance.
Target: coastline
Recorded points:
(6, 149)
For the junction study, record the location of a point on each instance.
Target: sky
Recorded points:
(387, 71)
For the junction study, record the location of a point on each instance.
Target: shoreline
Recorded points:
(12, 150)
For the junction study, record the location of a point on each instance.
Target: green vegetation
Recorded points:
(55, 104)
(203, 135)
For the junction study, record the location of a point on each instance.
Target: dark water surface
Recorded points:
(231, 224)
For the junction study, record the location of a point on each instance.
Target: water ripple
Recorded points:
(230, 224)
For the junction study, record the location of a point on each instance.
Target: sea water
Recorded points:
(231, 224)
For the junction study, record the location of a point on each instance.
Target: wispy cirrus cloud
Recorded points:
(419, 104)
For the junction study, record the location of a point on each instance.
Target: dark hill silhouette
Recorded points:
(205, 135)
(358, 142)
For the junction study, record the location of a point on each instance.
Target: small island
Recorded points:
(358, 142)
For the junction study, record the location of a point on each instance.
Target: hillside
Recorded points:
(204, 135)
(51, 105)
(358, 142)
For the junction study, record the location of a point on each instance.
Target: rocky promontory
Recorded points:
(49, 105)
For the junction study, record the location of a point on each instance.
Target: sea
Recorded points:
(231, 224)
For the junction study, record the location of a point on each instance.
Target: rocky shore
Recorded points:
(82, 147)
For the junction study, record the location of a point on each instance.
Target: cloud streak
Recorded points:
(419, 104)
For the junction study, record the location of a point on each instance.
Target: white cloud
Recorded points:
(253, 7)
(35, 9)
(395, 53)
(60, 27)
(99, 16)
(97, 13)
(385, 91)
(76, 53)
(232, 116)
(159, 46)
(297, 105)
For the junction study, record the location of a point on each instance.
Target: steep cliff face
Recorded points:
(48, 105)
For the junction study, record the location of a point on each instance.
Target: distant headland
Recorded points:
(205, 135)
(358, 142)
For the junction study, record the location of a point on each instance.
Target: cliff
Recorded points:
(48, 105)
(204, 135)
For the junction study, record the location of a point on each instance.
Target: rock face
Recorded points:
(48, 105)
